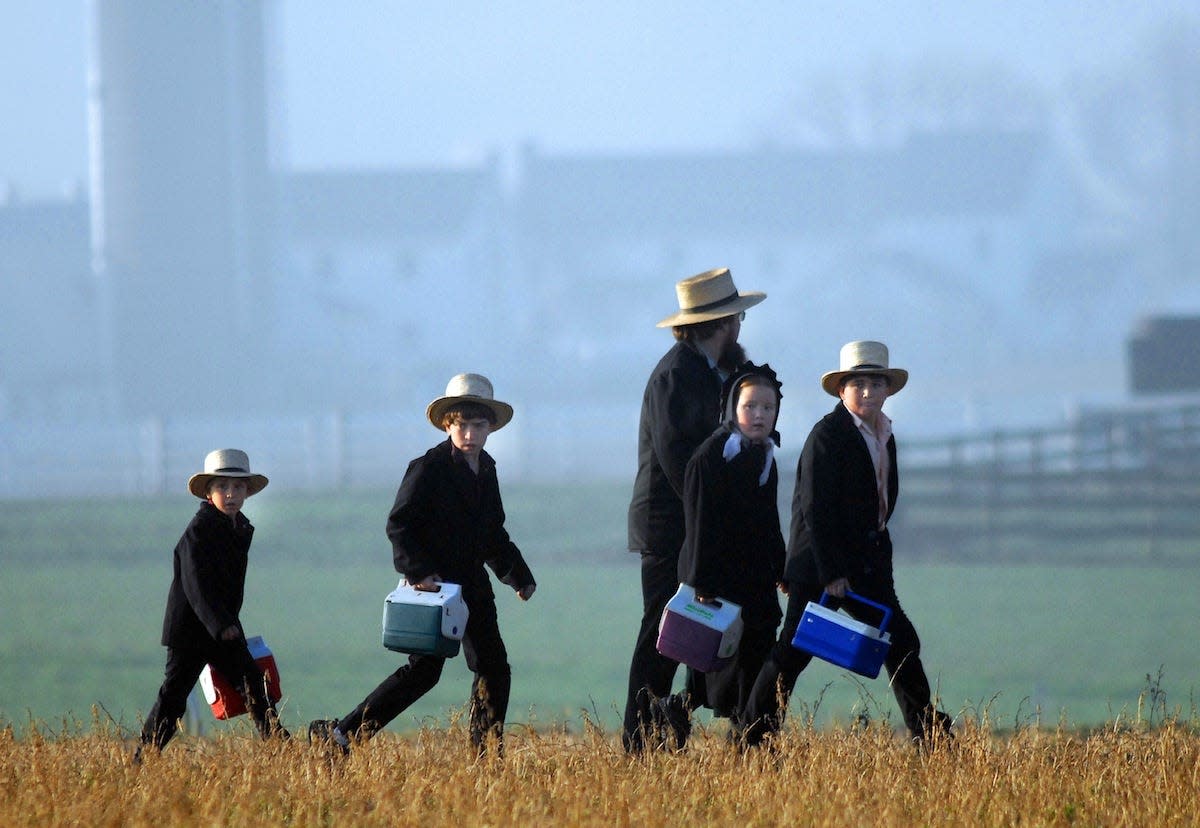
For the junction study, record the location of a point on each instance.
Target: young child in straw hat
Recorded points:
(201, 624)
(446, 524)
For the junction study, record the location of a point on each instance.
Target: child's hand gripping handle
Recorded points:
(430, 583)
(862, 599)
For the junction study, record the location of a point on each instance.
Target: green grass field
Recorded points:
(85, 583)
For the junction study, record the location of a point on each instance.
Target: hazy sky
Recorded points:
(370, 83)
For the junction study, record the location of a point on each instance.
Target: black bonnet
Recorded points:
(731, 386)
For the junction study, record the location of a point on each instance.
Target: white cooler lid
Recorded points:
(845, 621)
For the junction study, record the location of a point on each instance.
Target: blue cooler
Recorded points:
(702, 636)
(841, 640)
(424, 622)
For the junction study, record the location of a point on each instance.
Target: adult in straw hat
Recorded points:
(709, 296)
(846, 489)
(680, 409)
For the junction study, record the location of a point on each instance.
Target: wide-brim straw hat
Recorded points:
(864, 357)
(709, 295)
(474, 388)
(226, 463)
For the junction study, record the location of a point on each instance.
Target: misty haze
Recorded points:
(1015, 221)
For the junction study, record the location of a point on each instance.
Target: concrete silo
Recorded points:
(180, 200)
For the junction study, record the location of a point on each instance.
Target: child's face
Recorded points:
(864, 395)
(757, 408)
(468, 436)
(227, 494)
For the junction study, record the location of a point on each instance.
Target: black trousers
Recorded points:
(651, 673)
(773, 687)
(486, 657)
(230, 658)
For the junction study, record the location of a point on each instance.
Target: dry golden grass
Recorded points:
(1122, 775)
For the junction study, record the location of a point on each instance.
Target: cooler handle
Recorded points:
(862, 599)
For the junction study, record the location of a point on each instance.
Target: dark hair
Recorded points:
(216, 478)
(851, 376)
(699, 331)
(467, 411)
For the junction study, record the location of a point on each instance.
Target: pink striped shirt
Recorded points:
(877, 441)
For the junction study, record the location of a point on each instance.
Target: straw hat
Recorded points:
(709, 295)
(474, 388)
(226, 463)
(864, 357)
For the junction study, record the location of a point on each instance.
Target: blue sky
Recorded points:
(381, 84)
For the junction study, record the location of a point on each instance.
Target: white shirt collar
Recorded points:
(885, 423)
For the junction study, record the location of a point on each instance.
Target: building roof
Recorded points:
(383, 204)
(772, 191)
(777, 191)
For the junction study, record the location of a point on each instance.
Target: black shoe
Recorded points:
(274, 729)
(324, 732)
(939, 736)
(633, 742)
(675, 723)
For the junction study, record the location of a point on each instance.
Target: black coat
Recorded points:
(733, 547)
(209, 579)
(835, 508)
(450, 521)
(680, 408)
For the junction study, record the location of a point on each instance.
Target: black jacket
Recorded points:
(450, 521)
(734, 546)
(835, 508)
(680, 409)
(209, 578)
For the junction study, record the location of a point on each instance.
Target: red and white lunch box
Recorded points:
(226, 702)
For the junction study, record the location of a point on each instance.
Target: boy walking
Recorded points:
(846, 489)
(201, 624)
(446, 524)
